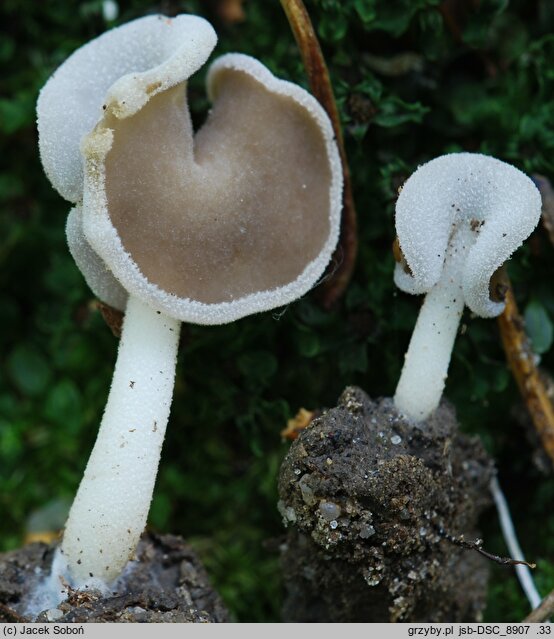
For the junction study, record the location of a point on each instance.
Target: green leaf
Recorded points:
(313, 315)
(353, 358)
(333, 26)
(16, 113)
(11, 186)
(501, 379)
(308, 344)
(394, 112)
(259, 365)
(28, 370)
(63, 404)
(395, 17)
(479, 388)
(370, 86)
(7, 48)
(366, 10)
(160, 510)
(539, 326)
(11, 442)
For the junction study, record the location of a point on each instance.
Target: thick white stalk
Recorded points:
(110, 510)
(425, 368)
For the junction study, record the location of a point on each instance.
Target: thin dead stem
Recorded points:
(521, 360)
(543, 612)
(112, 317)
(318, 77)
(477, 545)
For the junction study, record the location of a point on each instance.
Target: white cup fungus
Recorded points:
(171, 225)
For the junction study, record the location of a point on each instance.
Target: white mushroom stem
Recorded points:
(110, 510)
(425, 369)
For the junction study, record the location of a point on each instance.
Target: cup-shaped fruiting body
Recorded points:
(239, 218)
(173, 226)
(140, 58)
(458, 219)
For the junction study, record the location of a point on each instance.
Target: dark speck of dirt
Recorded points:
(364, 494)
(167, 584)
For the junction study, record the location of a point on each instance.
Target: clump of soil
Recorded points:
(167, 583)
(370, 500)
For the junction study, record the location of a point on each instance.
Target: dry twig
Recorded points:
(477, 545)
(521, 360)
(112, 317)
(543, 612)
(318, 76)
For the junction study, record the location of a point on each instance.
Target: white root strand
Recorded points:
(523, 572)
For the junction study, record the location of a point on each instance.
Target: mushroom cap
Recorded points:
(140, 58)
(501, 203)
(240, 218)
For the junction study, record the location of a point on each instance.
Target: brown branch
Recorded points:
(344, 257)
(543, 612)
(521, 360)
(477, 545)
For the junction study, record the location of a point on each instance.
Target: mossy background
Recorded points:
(485, 85)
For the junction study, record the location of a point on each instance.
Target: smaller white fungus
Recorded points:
(458, 219)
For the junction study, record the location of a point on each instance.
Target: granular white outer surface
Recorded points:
(123, 66)
(458, 219)
(101, 232)
(99, 95)
(97, 275)
(110, 509)
(426, 363)
(498, 200)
